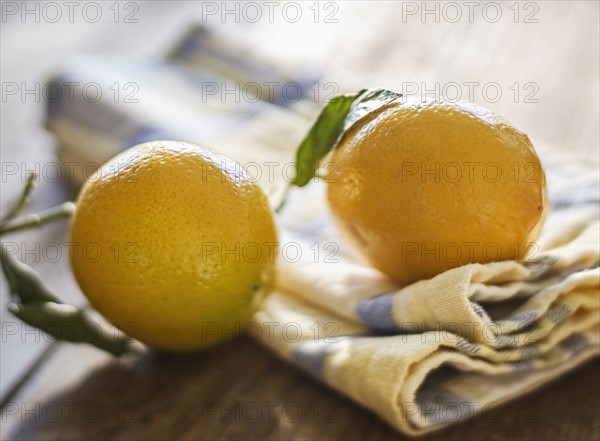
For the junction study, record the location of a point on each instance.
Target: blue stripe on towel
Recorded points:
(311, 355)
(376, 312)
(575, 344)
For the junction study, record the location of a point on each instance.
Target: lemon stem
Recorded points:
(23, 199)
(66, 209)
(284, 197)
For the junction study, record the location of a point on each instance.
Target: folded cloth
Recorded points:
(421, 356)
(439, 351)
(196, 93)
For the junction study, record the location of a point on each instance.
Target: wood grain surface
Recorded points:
(240, 390)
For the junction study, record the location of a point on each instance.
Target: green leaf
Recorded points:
(34, 304)
(67, 323)
(322, 137)
(24, 283)
(370, 101)
(336, 118)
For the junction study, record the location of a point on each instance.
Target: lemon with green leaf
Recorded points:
(420, 187)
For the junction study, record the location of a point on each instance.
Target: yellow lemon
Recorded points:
(173, 244)
(422, 187)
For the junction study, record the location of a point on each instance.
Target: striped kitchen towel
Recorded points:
(421, 356)
(104, 106)
(442, 350)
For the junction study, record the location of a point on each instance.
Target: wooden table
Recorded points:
(240, 390)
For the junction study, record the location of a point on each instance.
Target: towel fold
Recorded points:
(441, 350)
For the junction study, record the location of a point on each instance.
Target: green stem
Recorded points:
(65, 209)
(283, 199)
(23, 199)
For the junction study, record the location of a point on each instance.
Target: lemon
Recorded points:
(173, 244)
(421, 187)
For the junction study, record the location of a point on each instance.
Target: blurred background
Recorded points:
(83, 80)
